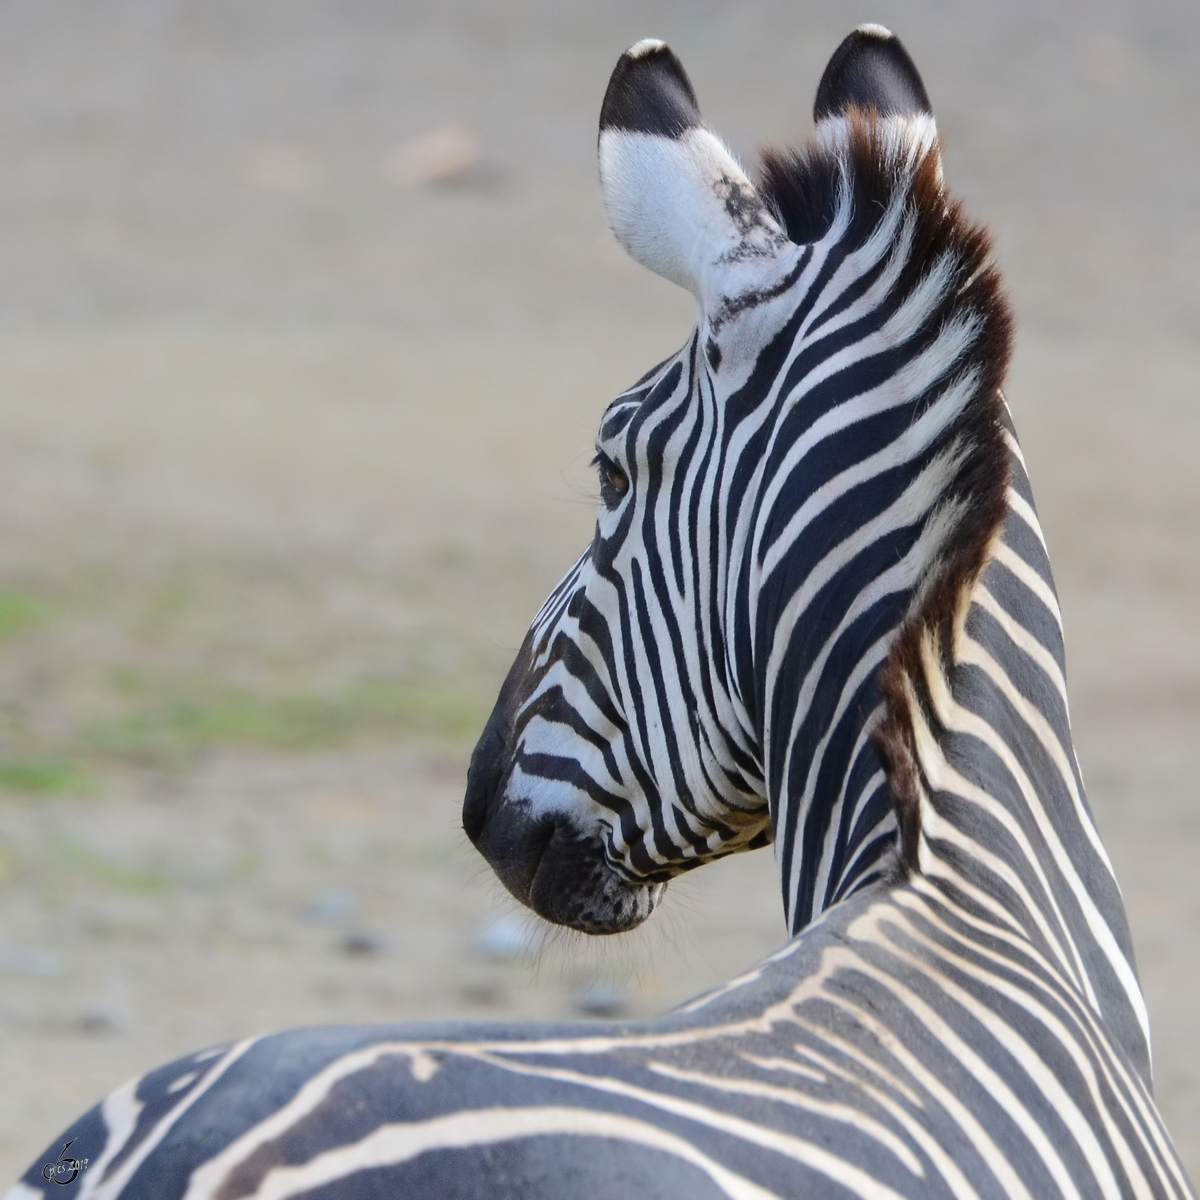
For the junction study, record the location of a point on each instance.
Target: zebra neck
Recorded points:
(943, 761)
(835, 825)
(906, 681)
(1003, 833)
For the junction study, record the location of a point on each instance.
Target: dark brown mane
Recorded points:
(806, 188)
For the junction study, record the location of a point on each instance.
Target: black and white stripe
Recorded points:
(817, 610)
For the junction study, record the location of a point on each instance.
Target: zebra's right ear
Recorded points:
(675, 197)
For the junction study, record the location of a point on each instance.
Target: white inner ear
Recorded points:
(685, 209)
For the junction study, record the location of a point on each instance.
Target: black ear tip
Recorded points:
(871, 70)
(649, 92)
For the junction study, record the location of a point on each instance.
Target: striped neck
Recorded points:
(941, 759)
(901, 653)
(1007, 840)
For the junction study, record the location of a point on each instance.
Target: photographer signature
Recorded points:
(70, 1167)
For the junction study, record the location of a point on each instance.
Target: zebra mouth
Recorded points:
(563, 876)
(574, 885)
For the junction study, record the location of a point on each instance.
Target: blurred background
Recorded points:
(307, 314)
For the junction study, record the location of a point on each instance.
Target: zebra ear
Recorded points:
(871, 70)
(675, 197)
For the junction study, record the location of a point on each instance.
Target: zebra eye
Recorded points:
(614, 483)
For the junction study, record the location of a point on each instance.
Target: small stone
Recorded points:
(97, 1022)
(601, 1000)
(330, 907)
(447, 154)
(361, 944)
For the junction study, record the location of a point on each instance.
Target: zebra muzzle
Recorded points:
(544, 859)
(562, 875)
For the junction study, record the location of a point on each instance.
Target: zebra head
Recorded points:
(774, 500)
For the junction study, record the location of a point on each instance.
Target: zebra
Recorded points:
(817, 611)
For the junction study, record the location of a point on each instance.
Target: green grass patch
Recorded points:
(18, 611)
(83, 860)
(176, 727)
(41, 776)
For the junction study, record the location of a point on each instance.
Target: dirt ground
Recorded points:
(307, 312)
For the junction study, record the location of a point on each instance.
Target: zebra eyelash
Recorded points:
(614, 482)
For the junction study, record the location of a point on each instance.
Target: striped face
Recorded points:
(676, 695)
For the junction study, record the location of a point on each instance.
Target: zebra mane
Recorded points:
(851, 176)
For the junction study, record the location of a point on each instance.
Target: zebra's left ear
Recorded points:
(871, 70)
(675, 197)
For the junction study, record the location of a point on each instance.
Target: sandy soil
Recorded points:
(307, 311)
